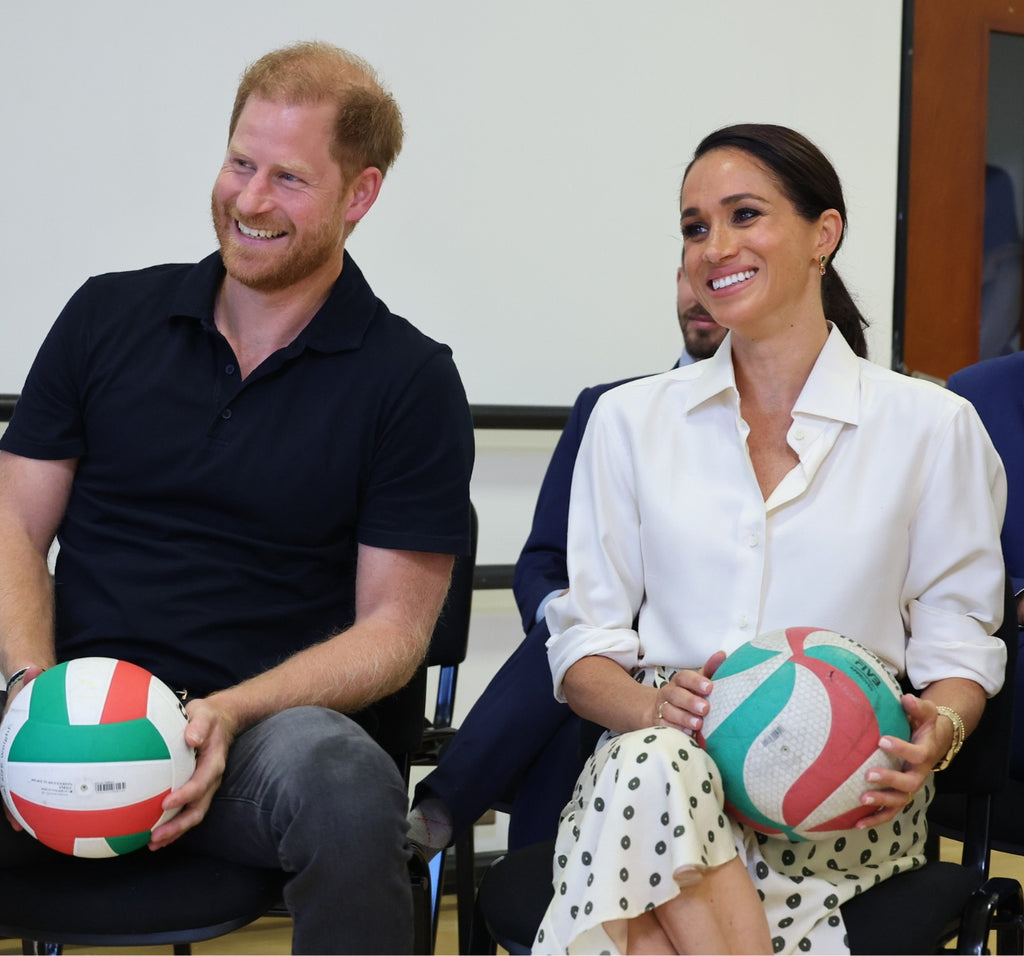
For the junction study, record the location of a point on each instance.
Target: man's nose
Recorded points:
(255, 196)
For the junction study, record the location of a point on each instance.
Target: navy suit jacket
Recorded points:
(996, 389)
(541, 567)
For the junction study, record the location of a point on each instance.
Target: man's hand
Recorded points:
(211, 732)
(30, 675)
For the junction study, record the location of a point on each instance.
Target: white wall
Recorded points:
(531, 221)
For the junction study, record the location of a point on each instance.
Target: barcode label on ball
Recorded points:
(111, 786)
(774, 734)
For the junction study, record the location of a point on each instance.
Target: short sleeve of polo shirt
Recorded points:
(418, 495)
(47, 422)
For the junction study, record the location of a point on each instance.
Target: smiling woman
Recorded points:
(801, 457)
(795, 178)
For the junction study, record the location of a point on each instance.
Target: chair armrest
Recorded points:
(997, 904)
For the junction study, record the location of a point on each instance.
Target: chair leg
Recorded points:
(182, 949)
(424, 926)
(1010, 927)
(436, 866)
(465, 885)
(481, 942)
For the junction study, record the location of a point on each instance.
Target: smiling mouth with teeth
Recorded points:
(726, 281)
(257, 233)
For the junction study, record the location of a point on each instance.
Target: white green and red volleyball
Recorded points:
(88, 752)
(795, 720)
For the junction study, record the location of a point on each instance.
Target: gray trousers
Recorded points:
(309, 792)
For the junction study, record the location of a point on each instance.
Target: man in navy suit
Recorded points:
(518, 743)
(996, 389)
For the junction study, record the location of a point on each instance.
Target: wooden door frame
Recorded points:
(941, 180)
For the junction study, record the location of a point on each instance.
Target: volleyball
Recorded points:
(795, 719)
(88, 752)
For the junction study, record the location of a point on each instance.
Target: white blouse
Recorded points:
(886, 531)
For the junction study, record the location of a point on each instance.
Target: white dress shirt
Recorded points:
(886, 531)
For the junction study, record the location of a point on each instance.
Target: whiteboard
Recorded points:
(531, 221)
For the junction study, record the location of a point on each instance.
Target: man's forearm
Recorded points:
(345, 673)
(26, 605)
(399, 595)
(33, 497)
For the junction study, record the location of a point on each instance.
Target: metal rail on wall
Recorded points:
(488, 577)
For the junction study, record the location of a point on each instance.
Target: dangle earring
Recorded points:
(821, 265)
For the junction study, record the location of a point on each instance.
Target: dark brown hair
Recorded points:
(811, 184)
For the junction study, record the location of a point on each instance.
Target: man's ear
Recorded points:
(362, 193)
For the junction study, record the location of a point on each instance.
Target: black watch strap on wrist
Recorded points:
(15, 678)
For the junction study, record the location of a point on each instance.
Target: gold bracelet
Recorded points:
(958, 736)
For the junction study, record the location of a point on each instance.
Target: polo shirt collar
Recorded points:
(338, 326)
(832, 390)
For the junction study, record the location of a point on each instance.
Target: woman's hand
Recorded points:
(929, 741)
(682, 702)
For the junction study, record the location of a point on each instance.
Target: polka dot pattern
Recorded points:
(650, 802)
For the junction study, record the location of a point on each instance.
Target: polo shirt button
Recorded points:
(752, 540)
(744, 622)
(799, 434)
(229, 369)
(226, 414)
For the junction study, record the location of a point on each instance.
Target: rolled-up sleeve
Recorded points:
(953, 593)
(606, 580)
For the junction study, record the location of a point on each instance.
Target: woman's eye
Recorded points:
(691, 230)
(745, 214)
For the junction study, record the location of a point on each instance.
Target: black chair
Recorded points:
(177, 898)
(916, 912)
(447, 651)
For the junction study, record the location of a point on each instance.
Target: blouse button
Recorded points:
(752, 540)
(744, 622)
(799, 434)
(229, 369)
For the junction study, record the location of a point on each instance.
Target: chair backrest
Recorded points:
(451, 636)
(963, 804)
(983, 764)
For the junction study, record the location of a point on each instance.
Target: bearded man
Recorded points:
(258, 477)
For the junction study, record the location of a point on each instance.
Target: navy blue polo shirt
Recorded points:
(213, 523)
